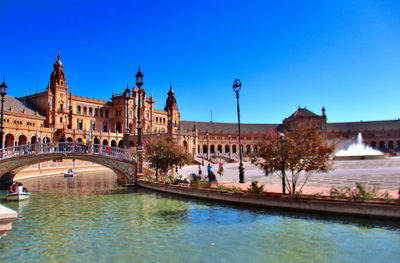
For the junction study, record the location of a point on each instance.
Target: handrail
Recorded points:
(66, 147)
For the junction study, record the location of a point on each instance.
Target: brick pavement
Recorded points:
(382, 173)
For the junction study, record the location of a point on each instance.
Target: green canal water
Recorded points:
(90, 218)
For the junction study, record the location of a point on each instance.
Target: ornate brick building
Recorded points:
(56, 112)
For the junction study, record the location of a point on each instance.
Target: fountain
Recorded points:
(359, 150)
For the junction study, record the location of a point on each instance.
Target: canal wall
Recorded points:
(334, 207)
(57, 167)
(6, 217)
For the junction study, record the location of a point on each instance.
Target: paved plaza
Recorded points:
(382, 173)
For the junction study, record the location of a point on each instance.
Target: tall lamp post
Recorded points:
(3, 92)
(139, 83)
(194, 142)
(236, 88)
(282, 137)
(127, 95)
(208, 146)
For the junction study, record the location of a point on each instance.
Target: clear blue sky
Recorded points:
(344, 55)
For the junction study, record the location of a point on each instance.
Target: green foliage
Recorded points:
(255, 188)
(232, 189)
(306, 151)
(361, 193)
(164, 153)
(200, 184)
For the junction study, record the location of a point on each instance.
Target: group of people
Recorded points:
(17, 187)
(210, 173)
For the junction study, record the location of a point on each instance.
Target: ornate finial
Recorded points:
(127, 85)
(58, 57)
(139, 67)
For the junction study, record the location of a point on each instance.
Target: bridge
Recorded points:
(123, 162)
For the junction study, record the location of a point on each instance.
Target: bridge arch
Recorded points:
(17, 158)
(105, 142)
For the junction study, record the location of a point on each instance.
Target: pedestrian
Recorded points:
(209, 168)
(213, 177)
(84, 144)
(200, 172)
(221, 169)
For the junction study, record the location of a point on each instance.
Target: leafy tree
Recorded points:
(163, 153)
(306, 151)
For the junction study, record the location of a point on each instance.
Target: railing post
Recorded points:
(37, 148)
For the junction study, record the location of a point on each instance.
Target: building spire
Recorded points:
(58, 57)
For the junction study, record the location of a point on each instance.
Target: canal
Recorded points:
(90, 218)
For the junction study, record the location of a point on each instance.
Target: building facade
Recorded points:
(57, 113)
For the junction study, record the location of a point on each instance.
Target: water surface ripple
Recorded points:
(91, 219)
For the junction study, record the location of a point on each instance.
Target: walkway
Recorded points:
(382, 173)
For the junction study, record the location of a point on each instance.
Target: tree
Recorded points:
(306, 151)
(162, 154)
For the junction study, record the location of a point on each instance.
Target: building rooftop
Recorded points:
(18, 105)
(219, 127)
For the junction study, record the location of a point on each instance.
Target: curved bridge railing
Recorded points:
(66, 147)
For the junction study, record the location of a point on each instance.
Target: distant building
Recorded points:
(56, 112)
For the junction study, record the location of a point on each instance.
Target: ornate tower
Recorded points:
(58, 96)
(174, 116)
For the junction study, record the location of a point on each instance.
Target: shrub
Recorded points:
(199, 184)
(361, 192)
(255, 188)
(232, 189)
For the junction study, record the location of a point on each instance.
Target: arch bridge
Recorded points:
(123, 162)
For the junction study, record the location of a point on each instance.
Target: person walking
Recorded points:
(200, 171)
(209, 168)
(221, 169)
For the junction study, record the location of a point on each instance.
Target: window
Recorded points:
(60, 119)
(78, 109)
(106, 113)
(92, 125)
(84, 110)
(101, 112)
(90, 111)
(79, 124)
(96, 112)
(61, 107)
(104, 125)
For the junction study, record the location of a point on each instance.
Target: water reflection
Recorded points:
(91, 218)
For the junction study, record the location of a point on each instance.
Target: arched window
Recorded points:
(234, 149)
(84, 110)
(212, 148)
(78, 109)
(90, 111)
(101, 112)
(226, 148)
(96, 112)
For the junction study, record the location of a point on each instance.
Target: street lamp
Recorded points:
(230, 147)
(236, 88)
(282, 137)
(127, 95)
(194, 142)
(208, 146)
(3, 92)
(139, 83)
